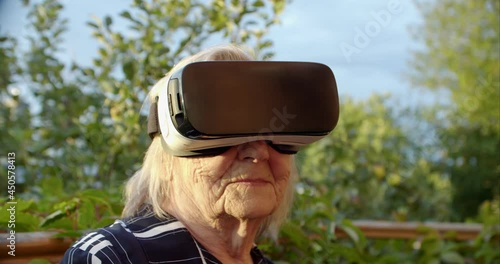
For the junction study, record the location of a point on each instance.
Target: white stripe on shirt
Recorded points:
(90, 241)
(82, 240)
(159, 230)
(99, 246)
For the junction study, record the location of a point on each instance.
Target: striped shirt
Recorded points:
(144, 239)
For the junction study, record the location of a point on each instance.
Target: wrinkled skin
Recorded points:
(227, 197)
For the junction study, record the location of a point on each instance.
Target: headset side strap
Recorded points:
(153, 124)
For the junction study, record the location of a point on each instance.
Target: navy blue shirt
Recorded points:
(144, 239)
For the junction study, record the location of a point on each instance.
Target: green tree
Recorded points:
(371, 166)
(15, 114)
(84, 123)
(461, 59)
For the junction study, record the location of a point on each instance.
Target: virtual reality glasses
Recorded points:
(207, 107)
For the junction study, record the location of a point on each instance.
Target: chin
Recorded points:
(252, 208)
(258, 211)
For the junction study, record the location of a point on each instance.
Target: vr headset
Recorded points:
(207, 107)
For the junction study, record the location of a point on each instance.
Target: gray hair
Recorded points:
(150, 184)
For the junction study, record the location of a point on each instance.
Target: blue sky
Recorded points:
(366, 43)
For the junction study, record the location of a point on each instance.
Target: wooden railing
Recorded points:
(43, 245)
(395, 230)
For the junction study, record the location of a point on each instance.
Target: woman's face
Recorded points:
(247, 182)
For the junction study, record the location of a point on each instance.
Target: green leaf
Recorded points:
(129, 69)
(23, 205)
(52, 186)
(354, 233)
(452, 258)
(63, 209)
(92, 24)
(108, 21)
(53, 217)
(86, 215)
(351, 233)
(126, 14)
(258, 3)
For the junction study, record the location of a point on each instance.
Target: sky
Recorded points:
(367, 44)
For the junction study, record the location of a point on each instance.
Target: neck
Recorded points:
(228, 239)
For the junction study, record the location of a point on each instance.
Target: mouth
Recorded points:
(252, 181)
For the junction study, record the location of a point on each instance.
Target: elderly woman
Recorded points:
(197, 209)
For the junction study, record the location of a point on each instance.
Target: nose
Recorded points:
(254, 151)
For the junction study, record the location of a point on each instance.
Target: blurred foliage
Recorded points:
(69, 214)
(309, 237)
(370, 160)
(462, 59)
